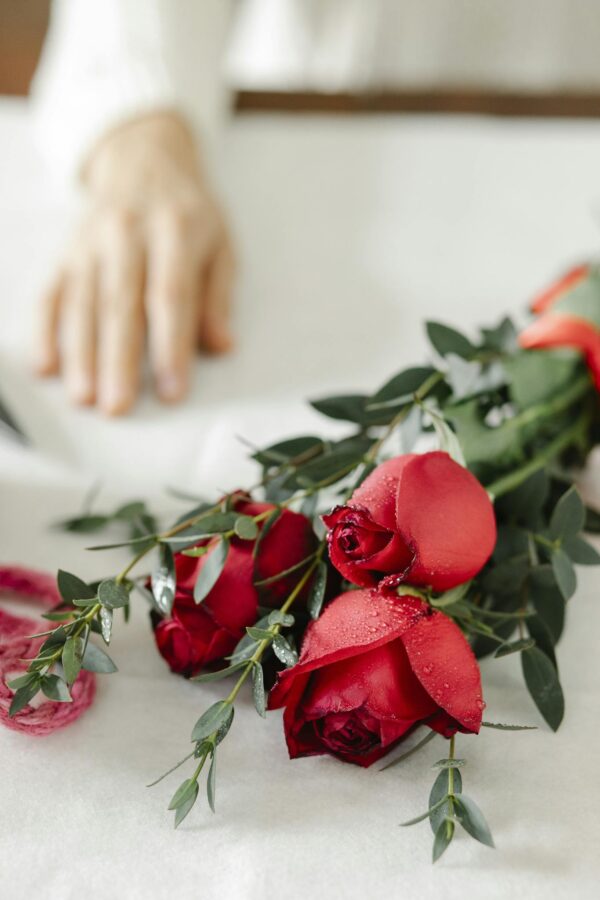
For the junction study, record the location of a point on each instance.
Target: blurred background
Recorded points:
(538, 57)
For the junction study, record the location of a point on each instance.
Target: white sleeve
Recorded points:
(106, 61)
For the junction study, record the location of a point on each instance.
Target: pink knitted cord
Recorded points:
(37, 588)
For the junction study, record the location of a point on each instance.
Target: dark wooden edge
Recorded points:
(493, 103)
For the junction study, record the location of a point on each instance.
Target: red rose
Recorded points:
(570, 318)
(420, 517)
(372, 667)
(198, 634)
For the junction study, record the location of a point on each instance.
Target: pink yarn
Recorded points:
(15, 644)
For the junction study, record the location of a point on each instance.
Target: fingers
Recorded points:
(121, 315)
(170, 303)
(46, 354)
(215, 310)
(79, 334)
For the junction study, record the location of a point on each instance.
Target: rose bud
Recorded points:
(570, 318)
(372, 667)
(420, 517)
(196, 635)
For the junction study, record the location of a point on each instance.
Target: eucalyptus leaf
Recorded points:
(72, 656)
(284, 653)
(564, 573)
(439, 791)
(213, 719)
(276, 617)
(580, 551)
(182, 811)
(448, 340)
(568, 517)
(542, 682)
(183, 793)
(221, 673)
(162, 580)
(55, 689)
(96, 660)
(258, 690)
(72, 588)
(472, 820)
(112, 594)
(318, 586)
(23, 695)
(514, 647)
(443, 837)
(210, 569)
(106, 623)
(211, 781)
(245, 528)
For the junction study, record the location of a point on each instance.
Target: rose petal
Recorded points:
(554, 330)
(548, 297)
(446, 517)
(378, 492)
(444, 663)
(352, 624)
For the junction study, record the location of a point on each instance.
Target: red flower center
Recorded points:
(348, 732)
(361, 543)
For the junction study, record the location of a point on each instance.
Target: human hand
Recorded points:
(152, 257)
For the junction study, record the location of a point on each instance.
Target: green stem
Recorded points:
(513, 479)
(451, 770)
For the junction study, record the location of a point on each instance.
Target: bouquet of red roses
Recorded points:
(357, 587)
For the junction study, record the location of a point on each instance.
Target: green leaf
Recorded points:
(84, 524)
(542, 682)
(449, 763)
(568, 516)
(564, 573)
(443, 837)
(276, 617)
(514, 647)
(547, 600)
(282, 650)
(439, 791)
(264, 531)
(580, 551)
(207, 526)
(258, 690)
(536, 376)
(347, 407)
(182, 811)
(23, 695)
(285, 451)
(15, 683)
(106, 622)
(259, 634)
(501, 727)
(539, 631)
(130, 511)
(55, 689)
(96, 660)
(327, 468)
(213, 565)
(212, 781)
(472, 820)
(222, 673)
(162, 581)
(72, 657)
(426, 815)
(316, 596)
(214, 718)
(447, 438)
(447, 340)
(183, 793)
(72, 588)
(246, 528)
(112, 594)
(401, 388)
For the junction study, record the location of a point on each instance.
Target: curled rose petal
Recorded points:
(421, 518)
(557, 330)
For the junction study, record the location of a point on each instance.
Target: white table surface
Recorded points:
(352, 231)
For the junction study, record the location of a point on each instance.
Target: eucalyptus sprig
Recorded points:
(214, 724)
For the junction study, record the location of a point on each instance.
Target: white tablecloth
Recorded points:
(352, 232)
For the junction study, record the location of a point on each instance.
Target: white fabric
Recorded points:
(351, 234)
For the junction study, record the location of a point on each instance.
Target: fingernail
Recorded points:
(82, 390)
(171, 387)
(114, 400)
